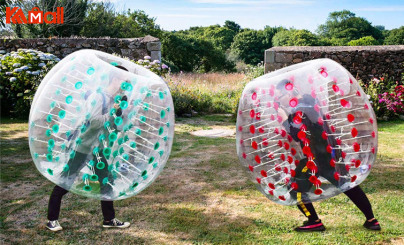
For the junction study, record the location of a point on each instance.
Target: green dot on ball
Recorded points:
(58, 91)
(101, 137)
(151, 159)
(106, 151)
(51, 143)
(134, 185)
(83, 128)
(161, 130)
(55, 128)
(168, 108)
(95, 150)
(63, 146)
(161, 95)
(125, 156)
(78, 85)
(94, 177)
(123, 104)
(49, 118)
(53, 104)
(87, 188)
(133, 144)
(117, 98)
(155, 165)
(112, 111)
(107, 124)
(124, 85)
(168, 124)
(36, 155)
(138, 131)
(57, 159)
(114, 63)
(142, 119)
(90, 71)
(100, 165)
(121, 150)
(48, 133)
(78, 141)
(161, 153)
(91, 163)
(105, 180)
(125, 138)
(122, 193)
(62, 114)
(156, 146)
(118, 121)
(112, 136)
(120, 141)
(69, 99)
(72, 154)
(49, 157)
(50, 171)
(66, 168)
(115, 153)
(162, 113)
(145, 106)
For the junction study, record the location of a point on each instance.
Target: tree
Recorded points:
(232, 26)
(295, 37)
(249, 46)
(363, 41)
(345, 25)
(190, 53)
(74, 13)
(395, 37)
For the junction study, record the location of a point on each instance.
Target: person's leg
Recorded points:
(108, 210)
(359, 198)
(308, 211)
(55, 201)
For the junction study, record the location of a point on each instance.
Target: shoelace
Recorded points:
(116, 222)
(55, 223)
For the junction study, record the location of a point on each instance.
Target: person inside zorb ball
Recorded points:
(305, 133)
(100, 126)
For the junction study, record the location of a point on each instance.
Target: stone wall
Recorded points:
(364, 62)
(134, 48)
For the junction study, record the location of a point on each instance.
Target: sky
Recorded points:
(256, 14)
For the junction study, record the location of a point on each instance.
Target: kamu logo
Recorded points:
(35, 16)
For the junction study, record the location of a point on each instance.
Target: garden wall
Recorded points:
(134, 48)
(363, 62)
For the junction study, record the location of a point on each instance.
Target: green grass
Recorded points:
(202, 197)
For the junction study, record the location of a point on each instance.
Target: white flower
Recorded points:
(41, 64)
(35, 72)
(24, 68)
(9, 73)
(147, 57)
(16, 65)
(13, 79)
(29, 72)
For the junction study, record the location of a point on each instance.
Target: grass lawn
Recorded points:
(202, 196)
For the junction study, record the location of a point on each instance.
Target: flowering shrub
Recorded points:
(154, 66)
(394, 101)
(21, 72)
(386, 97)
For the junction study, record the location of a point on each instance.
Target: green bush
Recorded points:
(20, 75)
(363, 41)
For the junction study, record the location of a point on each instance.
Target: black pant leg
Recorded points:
(108, 210)
(55, 201)
(359, 198)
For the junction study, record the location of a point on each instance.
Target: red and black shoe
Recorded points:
(311, 226)
(372, 225)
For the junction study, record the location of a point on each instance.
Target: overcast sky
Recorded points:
(301, 14)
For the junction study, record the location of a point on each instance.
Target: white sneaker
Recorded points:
(115, 223)
(54, 225)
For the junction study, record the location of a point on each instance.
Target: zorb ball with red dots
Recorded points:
(101, 126)
(306, 132)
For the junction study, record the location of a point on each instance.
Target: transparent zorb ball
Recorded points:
(306, 132)
(101, 126)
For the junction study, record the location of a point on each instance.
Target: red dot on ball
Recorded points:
(293, 102)
(289, 86)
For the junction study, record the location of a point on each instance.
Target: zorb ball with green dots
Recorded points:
(101, 126)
